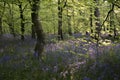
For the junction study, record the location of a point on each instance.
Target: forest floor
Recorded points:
(67, 49)
(14, 51)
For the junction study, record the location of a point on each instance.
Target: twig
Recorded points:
(116, 5)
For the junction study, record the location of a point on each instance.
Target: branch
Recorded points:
(30, 2)
(25, 7)
(65, 4)
(112, 9)
(116, 5)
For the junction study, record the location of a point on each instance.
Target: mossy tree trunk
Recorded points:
(38, 28)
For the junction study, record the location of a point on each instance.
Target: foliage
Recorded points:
(74, 58)
(78, 10)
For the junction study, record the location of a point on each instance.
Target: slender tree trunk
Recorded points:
(112, 23)
(0, 25)
(98, 28)
(1, 32)
(111, 20)
(11, 21)
(60, 10)
(33, 31)
(12, 31)
(97, 21)
(22, 21)
(69, 25)
(74, 25)
(91, 20)
(38, 28)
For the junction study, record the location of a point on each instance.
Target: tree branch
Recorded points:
(116, 5)
(25, 7)
(112, 9)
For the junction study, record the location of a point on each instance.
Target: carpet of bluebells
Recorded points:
(77, 58)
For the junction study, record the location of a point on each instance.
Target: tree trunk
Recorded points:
(12, 31)
(91, 20)
(69, 25)
(38, 28)
(112, 22)
(98, 28)
(1, 18)
(97, 21)
(22, 21)
(0, 25)
(60, 10)
(33, 31)
(69, 21)
(11, 21)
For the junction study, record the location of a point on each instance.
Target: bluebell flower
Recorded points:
(86, 78)
(35, 54)
(4, 59)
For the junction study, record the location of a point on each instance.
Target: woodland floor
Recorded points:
(68, 49)
(15, 51)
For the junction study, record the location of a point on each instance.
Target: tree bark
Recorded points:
(91, 20)
(60, 10)
(69, 21)
(11, 21)
(112, 22)
(12, 31)
(97, 21)
(33, 31)
(1, 16)
(22, 21)
(69, 25)
(0, 25)
(98, 28)
(38, 28)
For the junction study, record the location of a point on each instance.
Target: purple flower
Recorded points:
(35, 54)
(86, 78)
(4, 59)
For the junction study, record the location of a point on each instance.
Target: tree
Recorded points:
(21, 10)
(0, 25)
(68, 20)
(10, 21)
(61, 5)
(97, 20)
(1, 15)
(91, 19)
(37, 27)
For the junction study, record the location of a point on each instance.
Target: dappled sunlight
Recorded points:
(59, 39)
